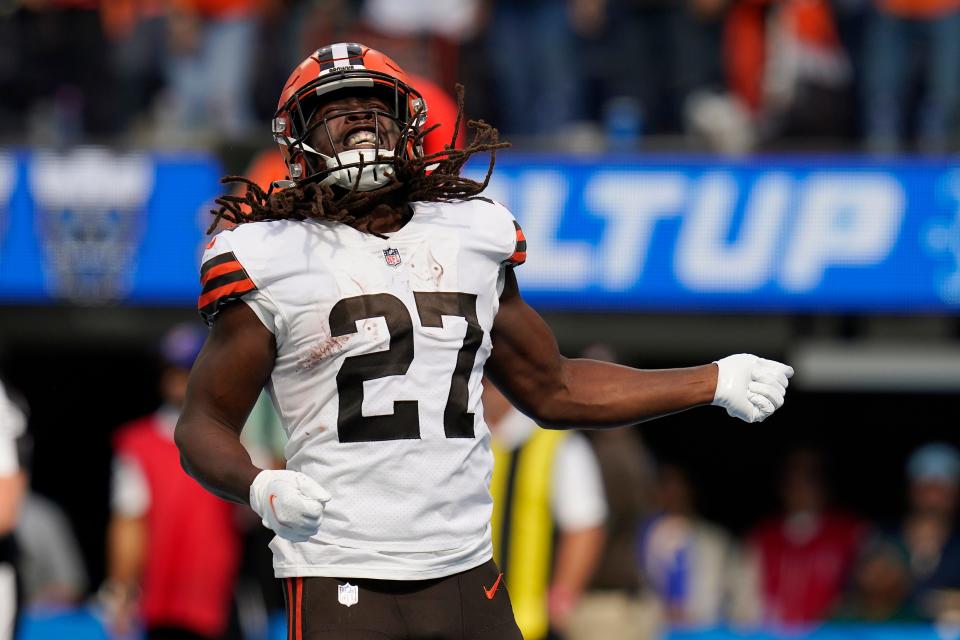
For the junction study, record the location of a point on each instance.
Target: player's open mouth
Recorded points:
(362, 138)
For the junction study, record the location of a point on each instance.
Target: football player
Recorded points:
(375, 290)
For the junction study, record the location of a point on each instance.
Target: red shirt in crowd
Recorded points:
(193, 546)
(804, 567)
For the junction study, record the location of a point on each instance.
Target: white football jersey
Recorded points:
(381, 344)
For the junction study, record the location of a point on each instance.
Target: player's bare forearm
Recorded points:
(126, 550)
(213, 455)
(602, 394)
(224, 385)
(12, 490)
(561, 392)
(577, 555)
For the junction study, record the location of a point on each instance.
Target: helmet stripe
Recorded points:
(355, 53)
(340, 54)
(325, 58)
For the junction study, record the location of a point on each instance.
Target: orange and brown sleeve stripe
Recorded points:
(223, 279)
(519, 255)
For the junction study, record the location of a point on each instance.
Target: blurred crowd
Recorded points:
(597, 536)
(572, 75)
(632, 555)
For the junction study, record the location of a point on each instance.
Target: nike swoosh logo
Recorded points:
(492, 591)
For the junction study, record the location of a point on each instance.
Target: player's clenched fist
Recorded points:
(751, 388)
(289, 502)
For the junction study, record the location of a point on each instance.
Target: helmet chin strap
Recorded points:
(377, 167)
(376, 171)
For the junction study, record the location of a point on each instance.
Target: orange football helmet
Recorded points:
(343, 67)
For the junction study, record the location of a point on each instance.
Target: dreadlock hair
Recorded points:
(409, 182)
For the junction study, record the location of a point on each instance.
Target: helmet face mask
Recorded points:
(323, 151)
(300, 126)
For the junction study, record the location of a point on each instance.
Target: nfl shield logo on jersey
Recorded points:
(392, 256)
(347, 594)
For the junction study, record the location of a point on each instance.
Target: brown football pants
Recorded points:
(472, 605)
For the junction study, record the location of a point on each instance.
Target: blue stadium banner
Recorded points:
(658, 233)
(767, 234)
(93, 226)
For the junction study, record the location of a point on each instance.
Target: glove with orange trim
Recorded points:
(290, 503)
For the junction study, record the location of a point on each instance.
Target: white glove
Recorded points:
(751, 388)
(289, 502)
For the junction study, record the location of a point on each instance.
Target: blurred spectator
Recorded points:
(879, 586)
(263, 435)
(535, 65)
(548, 515)
(52, 574)
(928, 532)
(908, 574)
(851, 18)
(13, 425)
(453, 19)
(309, 24)
(422, 36)
(656, 53)
(210, 64)
(617, 602)
(807, 77)
(900, 32)
(55, 84)
(138, 32)
(785, 62)
(173, 548)
(801, 560)
(689, 561)
(49, 564)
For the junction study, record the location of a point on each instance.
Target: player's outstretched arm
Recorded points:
(561, 392)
